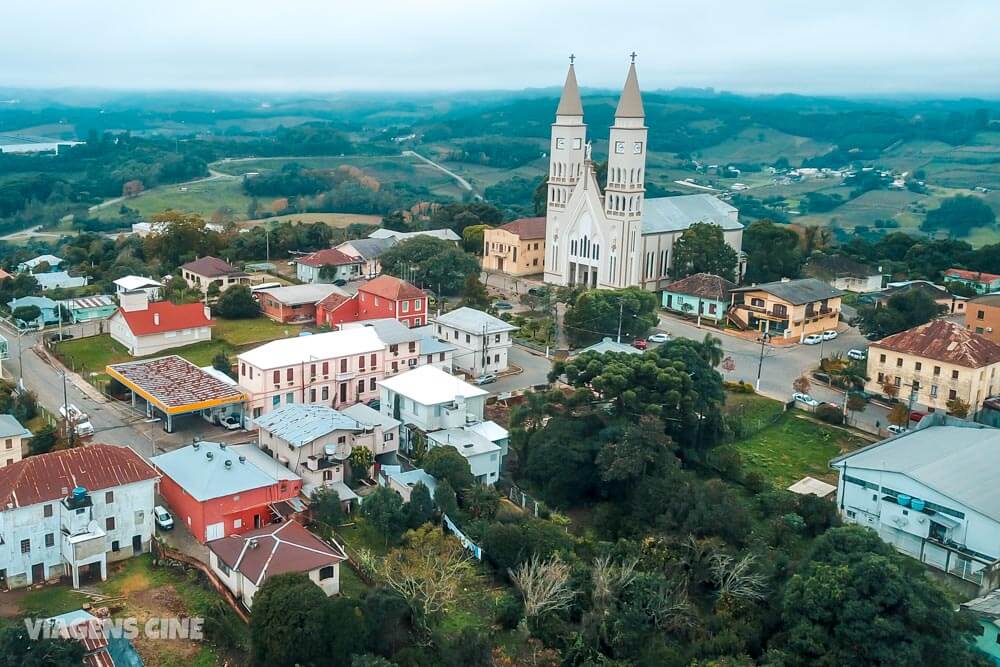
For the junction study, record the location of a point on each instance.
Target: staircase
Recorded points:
(737, 318)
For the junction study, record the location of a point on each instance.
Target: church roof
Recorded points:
(675, 214)
(569, 103)
(630, 103)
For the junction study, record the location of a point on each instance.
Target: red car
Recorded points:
(916, 415)
(640, 344)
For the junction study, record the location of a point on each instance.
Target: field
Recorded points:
(762, 145)
(789, 446)
(203, 198)
(332, 219)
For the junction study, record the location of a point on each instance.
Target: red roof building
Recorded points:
(202, 273)
(981, 283)
(385, 296)
(153, 327)
(517, 248)
(344, 267)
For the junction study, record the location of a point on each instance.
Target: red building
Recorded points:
(218, 490)
(385, 296)
(294, 303)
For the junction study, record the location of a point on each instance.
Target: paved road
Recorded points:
(534, 370)
(464, 184)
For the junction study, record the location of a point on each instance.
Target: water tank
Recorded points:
(903, 500)
(79, 493)
(917, 504)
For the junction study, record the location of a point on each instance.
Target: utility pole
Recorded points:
(485, 347)
(760, 364)
(621, 312)
(70, 426)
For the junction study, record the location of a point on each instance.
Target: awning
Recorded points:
(945, 520)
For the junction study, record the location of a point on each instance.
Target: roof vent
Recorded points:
(156, 319)
(209, 455)
(222, 445)
(252, 543)
(229, 464)
(243, 459)
(196, 445)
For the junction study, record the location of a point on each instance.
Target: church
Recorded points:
(617, 238)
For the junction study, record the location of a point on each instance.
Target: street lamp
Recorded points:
(764, 337)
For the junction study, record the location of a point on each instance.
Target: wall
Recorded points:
(411, 312)
(988, 640)
(676, 302)
(139, 346)
(983, 319)
(10, 450)
(499, 253)
(469, 355)
(972, 385)
(279, 312)
(202, 283)
(800, 324)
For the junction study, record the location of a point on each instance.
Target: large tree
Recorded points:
(285, 628)
(702, 248)
(597, 314)
(384, 509)
(772, 252)
(237, 303)
(446, 463)
(431, 263)
(959, 215)
(901, 312)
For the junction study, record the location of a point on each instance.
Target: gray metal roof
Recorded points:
(205, 477)
(675, 214)
(959, 461)
(296, 295)
(10, 428)
(370, 248)
(468, 443)
(390, 330)
(987, 606)
(473, 321)
(367, 416)
(803, 290)
(430, 343)
(299, 424)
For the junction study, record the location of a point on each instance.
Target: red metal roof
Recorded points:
(965, 274)
(391, 287)
(526, 228)
(944, 341)
(334, 301)
(172, 317)
(280, 548)
(212, 267)
(52, 476)
(327, 257)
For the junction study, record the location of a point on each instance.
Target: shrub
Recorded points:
(739, 387)
(831, 414)
(509, 611)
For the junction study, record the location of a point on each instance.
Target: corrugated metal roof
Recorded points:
(299, 424)
(205, 477)
(608, 345)
(369, 416)
(296, 295)
(389, 329)
(303, 349)
(675, 214)
(96, 301)
(10, 427)
(474, 321)
(795, 292)
(175, 383)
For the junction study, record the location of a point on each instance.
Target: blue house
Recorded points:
(50, 314)
(987, 610)
(702, 295)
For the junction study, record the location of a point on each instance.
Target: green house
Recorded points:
(87, 308)
(987, 610)
(702, 295)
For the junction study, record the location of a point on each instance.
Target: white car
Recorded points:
(163, 518)
(857, 355)
(659, 338)
(892, 428)
(231, 423)
(805, 398)
(829, 334)
(812, 339)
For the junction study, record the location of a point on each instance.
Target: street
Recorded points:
(534, 370)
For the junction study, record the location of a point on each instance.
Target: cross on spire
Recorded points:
(632, 56)
(571, 58)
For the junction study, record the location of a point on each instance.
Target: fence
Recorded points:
(162, 551)
(517, 496)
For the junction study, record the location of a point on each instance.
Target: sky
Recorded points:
(869, 47)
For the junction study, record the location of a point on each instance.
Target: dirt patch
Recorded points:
(161, 602)
(10, 603)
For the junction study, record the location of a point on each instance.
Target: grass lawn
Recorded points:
(795, 447)
(350, 584)
(203, 198)
(362, 535)
(257, 330)
(332, 219)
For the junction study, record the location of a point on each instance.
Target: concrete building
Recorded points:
(618, 238)
(152, 288)
(790, 309)
(934, 363)
(517, 248)
(295, 303)
(204, 272)
(843, 273)
(931, 493)
(244, 562)
(145, 328)
(12, 435)
(484, 457)
(482, 341)
(986, 610)
(982, 283)
(436, 351)
(982, 316)
(309, 268)
(71, 512)
(218, 490)
(368, 251)
(703, 296)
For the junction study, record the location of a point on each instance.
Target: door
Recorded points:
(215, 531)
(37, 573)
(343, 392)
(137, 544)
(256, 521)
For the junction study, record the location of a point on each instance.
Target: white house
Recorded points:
(484, 457)
(71, 512)
(244, 562)
(437, 352)
(482, 341)
(932, 494)
(150, 287)
(30, 265)
(12, 435)
(147, 328)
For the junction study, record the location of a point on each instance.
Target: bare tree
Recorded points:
(610, 579)
(801, 384)
(736, 579)
(544, 585)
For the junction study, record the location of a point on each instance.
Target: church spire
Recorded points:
(630, 103)
(569, 103)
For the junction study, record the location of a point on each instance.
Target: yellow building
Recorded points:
(789, 309)
(517, 248)
(934, 363)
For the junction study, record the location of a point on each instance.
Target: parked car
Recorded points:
(486, 378)
(538, 291)
(917, 415)
(829, 334)
(640, 344)
(374, 404)
(339, 282)
(860, 392)
(231, 423)
(805, 398)
(812, 339)
(502, 305)
(162, 517)
(659, 338)
(892, 428)
(857, 355)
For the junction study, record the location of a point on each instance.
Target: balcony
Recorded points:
(347, 375)
(83, 547)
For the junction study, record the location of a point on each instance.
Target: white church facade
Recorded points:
(617, 238)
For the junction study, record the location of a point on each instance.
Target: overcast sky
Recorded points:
(839, 46)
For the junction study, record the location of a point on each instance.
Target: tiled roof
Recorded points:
(978, 276)
(796, 292)
(334, 301)
(526, 228)
(275, 549)
(48, 477)
(327, 257)
(944, 341)
(212, 267)
(175, 383)
(172, 317)
(704, 285)
(391, 287)
(826, 267)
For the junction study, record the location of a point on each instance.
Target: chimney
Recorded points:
(156, 319)
(243, 459)
(208, 312)
(132, 301)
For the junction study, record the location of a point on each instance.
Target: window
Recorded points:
(343, 365)
(406, 306)
(50, 539)
(496, 338)
(496, 358)
(981, 314)
(412, 347)
(851, 514)
(361, 362)
(324, 394)
(416, 321)
(395, 366)
(896, 382)
(373, 361)
(288, 374)
(275, 401)
(140, 517)
(109, 523)
(937, 370)
(952, 394)
(361, 387)
(115, 546)
(371, 384)
(394, 348)
(222, 567)
(441, 356)
(243, 369)
(9, 443)
(467, 338)
(237, 523)
(326, 368)
(326, 572)
(277, 377)
(312, 394)
(899, 362)
(758, 303)
(25, 546)
(327, 475)
(47, 511)
(109, 497)
(933, 391)
(387, 437)
(289, 398)
(881, 358)
(430, 358)
(979, 330)
(954, 375)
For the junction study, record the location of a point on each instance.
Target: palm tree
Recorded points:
(711, 350)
